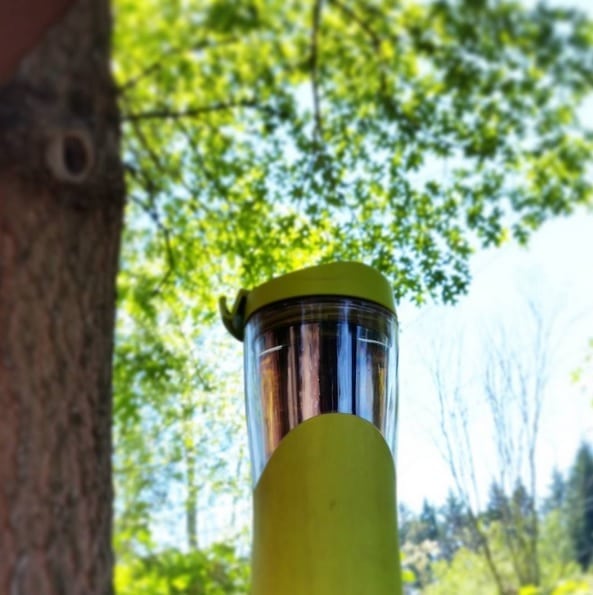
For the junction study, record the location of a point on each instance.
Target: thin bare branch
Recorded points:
(152, 208)
(152, 211)
(205, 171)
(452, 416)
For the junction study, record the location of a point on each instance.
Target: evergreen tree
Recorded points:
(455, 531)
(557, 495)
(406, 521)
(497, 508)
(580, 505)
(521, 502)
(415, 529)
(429, 523)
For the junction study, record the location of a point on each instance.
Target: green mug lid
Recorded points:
(343, 279)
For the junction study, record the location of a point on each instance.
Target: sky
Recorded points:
(556, 271)
(584, 5)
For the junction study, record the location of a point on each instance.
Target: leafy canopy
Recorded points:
(265, 134)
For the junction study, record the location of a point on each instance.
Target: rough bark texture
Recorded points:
(61, 203)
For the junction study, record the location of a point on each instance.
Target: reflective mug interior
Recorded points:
(309, 356)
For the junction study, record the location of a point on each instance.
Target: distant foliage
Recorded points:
(216, 571)
(579, 504)
(457, 564)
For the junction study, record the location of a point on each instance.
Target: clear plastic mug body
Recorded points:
(309, 356)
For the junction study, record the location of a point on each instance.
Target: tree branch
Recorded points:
(451, 425)
(318, 132)
(373, 36)
(161, 61)
(152, 211)
(362, 23)
(193, 112)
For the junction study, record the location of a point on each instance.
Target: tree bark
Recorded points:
(61, 205)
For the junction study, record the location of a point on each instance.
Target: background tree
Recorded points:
(512, 397)
(496, 508)
(201, 452)
(464, 569)
(418, 540)
(557, 556)
(217, 570)
(579, 498)
(455, 529)
(403, 134)
(556, 498)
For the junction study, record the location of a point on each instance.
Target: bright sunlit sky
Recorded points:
(556, 272)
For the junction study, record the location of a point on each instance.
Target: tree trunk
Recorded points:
(191, 502)
(61, 204)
